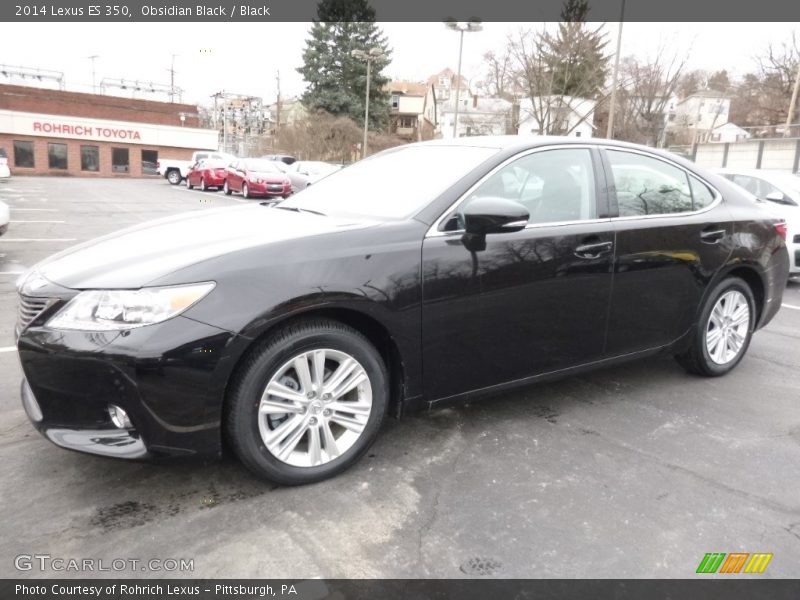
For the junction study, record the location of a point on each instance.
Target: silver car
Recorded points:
(303, 173)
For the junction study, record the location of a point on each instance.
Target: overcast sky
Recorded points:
(244, 57)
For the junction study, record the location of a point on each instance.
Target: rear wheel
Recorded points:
(723, 332)
(189, 184)
(174, 176)
(307, 403)
(203, 187)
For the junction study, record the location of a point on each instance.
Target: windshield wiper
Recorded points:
(297, 209)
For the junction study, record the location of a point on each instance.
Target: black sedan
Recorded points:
(292, 330)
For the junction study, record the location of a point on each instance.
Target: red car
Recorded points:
(206, 174)
(256, 177)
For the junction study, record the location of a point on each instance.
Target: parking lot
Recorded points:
(634, 471)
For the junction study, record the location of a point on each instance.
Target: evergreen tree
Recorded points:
(336, 79)
(575, 54)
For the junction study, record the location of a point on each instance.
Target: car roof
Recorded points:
(516, 142)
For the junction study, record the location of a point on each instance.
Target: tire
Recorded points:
(189, 184)
(245, 191)
(203, 187)
(174, 176)
(706, 358)
(272, 364)
(226, 189)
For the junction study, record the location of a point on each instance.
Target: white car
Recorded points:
(781, 192)
(5, 216)
(5, 172)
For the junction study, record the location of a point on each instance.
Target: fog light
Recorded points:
(119, 417)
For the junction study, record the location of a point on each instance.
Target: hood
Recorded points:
(135, 256)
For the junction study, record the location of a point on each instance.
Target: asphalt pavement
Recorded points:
(634, 471)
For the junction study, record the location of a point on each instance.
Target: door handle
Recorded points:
(712, 236)
(593, 250)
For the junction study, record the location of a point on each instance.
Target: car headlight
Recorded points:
(114, 310)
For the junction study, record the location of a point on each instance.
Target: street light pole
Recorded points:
(366, 110)
(612, 105)
(458, 83)
(368, 56)
(461, 27)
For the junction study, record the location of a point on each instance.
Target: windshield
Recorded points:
(261, 166)
(393, 185)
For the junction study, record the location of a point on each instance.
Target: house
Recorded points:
(445, 83)
(477, 115)
(412, 110)
(726, 133)
(701, 112)
(557, 115)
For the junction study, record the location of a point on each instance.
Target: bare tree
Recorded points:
(531, 53)
(646, 89)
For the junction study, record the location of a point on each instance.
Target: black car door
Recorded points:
(673, 233)
(519, 304)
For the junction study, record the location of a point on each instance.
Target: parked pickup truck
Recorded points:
(176, 171)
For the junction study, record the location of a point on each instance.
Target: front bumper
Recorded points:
(170, 379)
(269, 189)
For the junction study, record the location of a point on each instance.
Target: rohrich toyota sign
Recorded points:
(109, 133)
(101, 130)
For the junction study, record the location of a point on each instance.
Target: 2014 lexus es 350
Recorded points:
(426, 274)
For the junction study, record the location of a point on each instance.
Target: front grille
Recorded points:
(29, 309)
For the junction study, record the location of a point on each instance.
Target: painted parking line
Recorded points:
(14, 208)
(11, 272)
(38, 221)
(792, 306)
(37, 240)
(9, 349)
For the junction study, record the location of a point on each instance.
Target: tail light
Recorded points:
(780, 228)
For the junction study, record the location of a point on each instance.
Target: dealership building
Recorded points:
(53, 132)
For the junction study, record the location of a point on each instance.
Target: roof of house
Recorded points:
(450, 74)
(409, 88)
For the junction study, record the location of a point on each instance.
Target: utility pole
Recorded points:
(793, 103)
(613, 104)
(94, 86)
(278, 103)
(172, 80)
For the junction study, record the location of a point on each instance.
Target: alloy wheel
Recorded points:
(727, 327)
(315, 407)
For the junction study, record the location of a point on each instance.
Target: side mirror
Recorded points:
(494, 215)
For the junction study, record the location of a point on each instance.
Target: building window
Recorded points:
(395, 101)
(57, 156)
(120, 160)
(577, 134)
(23, 154)
(149, 160)
(90, 158)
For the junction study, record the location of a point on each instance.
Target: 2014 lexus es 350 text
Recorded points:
(427, 274)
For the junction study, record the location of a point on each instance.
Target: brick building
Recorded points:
(52, 132)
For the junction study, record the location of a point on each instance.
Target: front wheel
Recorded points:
(307, 403)
(189, 184)
(226, 189)
(723, 332)
(245, 191)
(203, 187)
